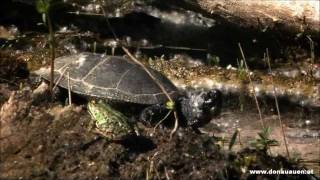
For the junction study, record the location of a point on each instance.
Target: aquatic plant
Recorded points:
(233, 139)
(241, 71)
(263, 142)
(213, 60)
(242, 74)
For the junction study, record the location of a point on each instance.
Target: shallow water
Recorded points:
(302, 132)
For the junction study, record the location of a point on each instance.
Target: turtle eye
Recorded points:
(215, 95)
(215, 110)
(212, 100)
(209, 97)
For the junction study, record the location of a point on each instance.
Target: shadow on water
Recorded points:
(219, 39)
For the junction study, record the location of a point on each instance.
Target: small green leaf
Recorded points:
(170, 105)
(264, 142)
(43, 6)
(262, 136)
(233, 139)
(273, 142)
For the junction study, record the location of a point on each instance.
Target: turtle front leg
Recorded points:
(153, 113)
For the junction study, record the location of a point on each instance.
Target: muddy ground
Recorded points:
(44, 140)
(41, 139)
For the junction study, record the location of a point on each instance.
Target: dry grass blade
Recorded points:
(176, 123)
(152, 167)
(166, 173)
(69, 90)
(277, 106)
(253, 89)
(60, 78)
(312, 55)
(164, 118)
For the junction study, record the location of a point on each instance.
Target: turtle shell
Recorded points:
(109, 77)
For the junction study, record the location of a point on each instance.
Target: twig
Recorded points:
(173, 47)
(166, 173)
(135, 60)
(69, 90)
(85, 13)
(53, 54)
(59, 79)
(277, 105)
(311, 49)
(151, 166)
(176, 123)
(254, 92)
(147, 174)
(165, 117)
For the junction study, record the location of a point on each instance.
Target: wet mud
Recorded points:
(51, 141)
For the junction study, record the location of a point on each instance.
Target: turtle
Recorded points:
(118, 79)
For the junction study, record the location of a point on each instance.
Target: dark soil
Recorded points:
(49, 141)
(40, 139)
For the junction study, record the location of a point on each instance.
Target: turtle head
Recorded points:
(212, 102)
(199, 107)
